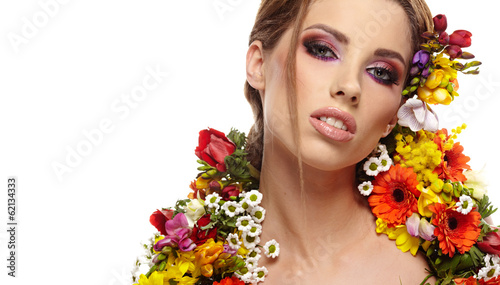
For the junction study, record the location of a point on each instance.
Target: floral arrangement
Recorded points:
(421, 190)
(419, 185)
(213, 237)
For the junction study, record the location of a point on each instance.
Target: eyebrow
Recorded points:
(338, 35)
(389, 53)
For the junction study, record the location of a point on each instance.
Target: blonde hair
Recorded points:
(273, 19)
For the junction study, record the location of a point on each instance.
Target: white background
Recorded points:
(75, 64)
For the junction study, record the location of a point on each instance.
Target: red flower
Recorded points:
(492, 281)
(490, 243)
(200, 236)
(229, 191)
(213, 147)
(454, 51)
(394, 195)
(229, 281)
(461, 38)
(159, 218)
(454, 162)
(440, 23)
(469, 281)
(455, 230)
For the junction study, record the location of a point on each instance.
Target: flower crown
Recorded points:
(421, 191)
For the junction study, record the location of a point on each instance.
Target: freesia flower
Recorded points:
(412, 224)
(206, 254)
(178, 233)
(194, 210)
(421, 58)
(461, 38)
(416, 115)
(230, 191)
(477, 181)
(454, 230)
(440, 23)
(454, 51)
(434, 96)
(426, 230)
(394, 195)
(490, 243)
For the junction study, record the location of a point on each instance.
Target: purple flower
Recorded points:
(415, 115)
(421, 58)
(178, 233)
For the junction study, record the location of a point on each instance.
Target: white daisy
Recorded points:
(382, 148)
(255, 230)
(244, 223)
(372, 166)
(365, 188)
(385, 162)
(233, 241)
(250, 242)
(232, 208)
(212, 201)
(254, 198)
(247, 277)
(255, 253)
(464, 205)
(258, 214)
(245, 204)
(259, 274)
(251, 263)
(272, 248)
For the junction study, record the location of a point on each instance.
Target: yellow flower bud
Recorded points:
(435, 78)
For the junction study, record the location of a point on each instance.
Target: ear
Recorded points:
(254, 67)
(390, 126)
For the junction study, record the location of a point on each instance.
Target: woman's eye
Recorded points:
(383, 75)
(320, 50)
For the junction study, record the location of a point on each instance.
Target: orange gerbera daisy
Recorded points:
(454, 162)
(492, 281)
(455, 230)
(394, 195)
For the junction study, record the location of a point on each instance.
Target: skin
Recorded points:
(326, 231)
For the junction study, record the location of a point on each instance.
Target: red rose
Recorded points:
(229, 191)
(490, 243)
(199, 236)
(440, 23)
(461, 38)
(213, 147)
(159, 218)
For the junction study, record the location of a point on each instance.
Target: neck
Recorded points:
(325, 205)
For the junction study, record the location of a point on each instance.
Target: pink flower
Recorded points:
(490, 243)
(178, 233)
(417, 116)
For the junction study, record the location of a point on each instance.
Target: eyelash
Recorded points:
(313, 47)
(389, 76)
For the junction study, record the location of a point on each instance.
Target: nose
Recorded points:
(347, 86)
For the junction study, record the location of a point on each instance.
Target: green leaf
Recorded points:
(485, 208)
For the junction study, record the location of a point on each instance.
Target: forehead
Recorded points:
(369, 24)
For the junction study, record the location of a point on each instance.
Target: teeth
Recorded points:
(334, 123)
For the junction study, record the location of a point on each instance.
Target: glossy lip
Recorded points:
(330, 131)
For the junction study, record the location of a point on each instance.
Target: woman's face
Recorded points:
(352, 58)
